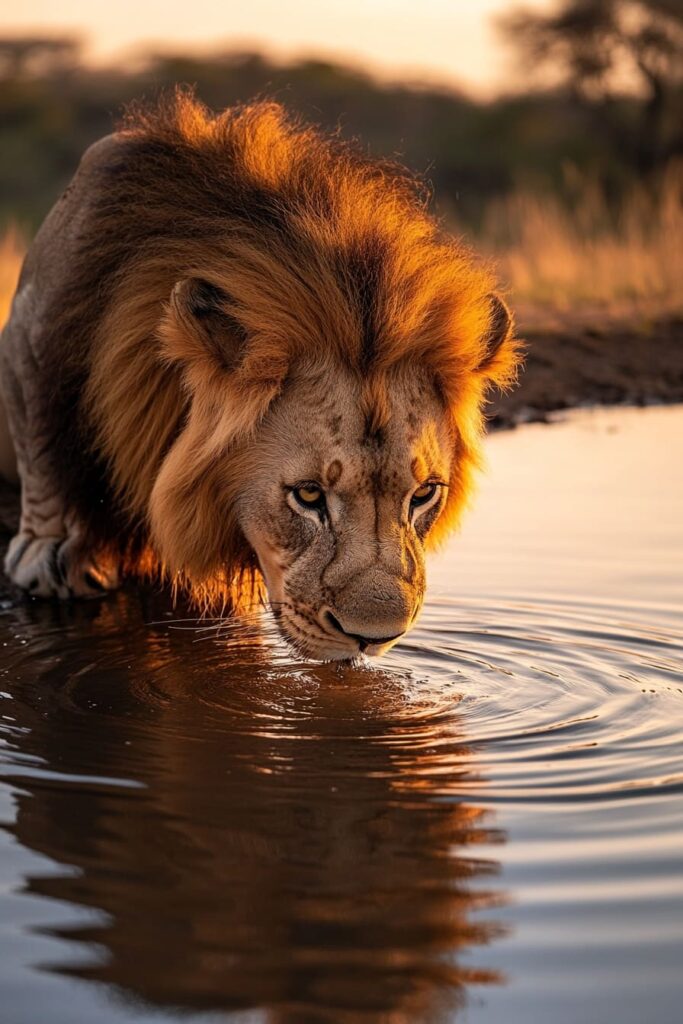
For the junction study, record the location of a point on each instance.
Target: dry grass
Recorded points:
(11, 254)
(562, 266)
(590, 263)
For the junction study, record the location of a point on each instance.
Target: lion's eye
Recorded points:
(423, 494)
(309, 496)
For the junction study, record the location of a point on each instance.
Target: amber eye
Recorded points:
(309, 496)
(423, 494)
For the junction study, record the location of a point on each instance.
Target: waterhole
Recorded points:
(485, 825)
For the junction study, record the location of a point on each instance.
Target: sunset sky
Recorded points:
(453, 41)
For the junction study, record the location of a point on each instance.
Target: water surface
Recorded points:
(485, 825)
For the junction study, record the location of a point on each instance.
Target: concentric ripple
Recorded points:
(563, 701)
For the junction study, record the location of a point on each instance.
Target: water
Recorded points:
(485, 825)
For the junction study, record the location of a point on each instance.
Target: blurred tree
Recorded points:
(24, 56)
(53, 104)
(599, 48)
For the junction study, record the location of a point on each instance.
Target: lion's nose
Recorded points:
(363, 641)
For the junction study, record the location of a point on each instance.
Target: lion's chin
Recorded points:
(319, 650)
(353, 655)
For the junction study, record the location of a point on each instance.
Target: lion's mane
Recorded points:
(327, 256)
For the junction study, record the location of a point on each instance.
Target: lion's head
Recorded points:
(338, 508)
(330, 348)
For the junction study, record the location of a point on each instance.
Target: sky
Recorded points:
(450, 41)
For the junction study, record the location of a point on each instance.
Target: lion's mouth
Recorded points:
(310, 639)
(365, 643)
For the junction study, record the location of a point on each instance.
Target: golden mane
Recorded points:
(328, 258)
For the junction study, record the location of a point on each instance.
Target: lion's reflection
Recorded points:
(297, 843)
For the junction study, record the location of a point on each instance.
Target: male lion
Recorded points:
(240, 350)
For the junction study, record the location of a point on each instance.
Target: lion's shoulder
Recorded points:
(100, 154)
(50, 256)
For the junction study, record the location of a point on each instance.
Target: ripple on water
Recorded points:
(563, 701)
(559, 700)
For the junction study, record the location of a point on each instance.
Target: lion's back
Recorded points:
(48, 266)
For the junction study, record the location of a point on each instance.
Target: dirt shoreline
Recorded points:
(564, 370)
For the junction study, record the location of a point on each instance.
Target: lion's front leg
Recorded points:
(48, 565)
(47, 557)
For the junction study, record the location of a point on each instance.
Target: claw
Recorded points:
(56, 567)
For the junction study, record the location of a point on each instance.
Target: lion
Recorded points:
(245, 358)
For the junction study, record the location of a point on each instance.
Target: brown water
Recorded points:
(485, 826)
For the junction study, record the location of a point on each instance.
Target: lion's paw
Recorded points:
(55, 567)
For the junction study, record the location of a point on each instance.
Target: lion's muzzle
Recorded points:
(364, 642)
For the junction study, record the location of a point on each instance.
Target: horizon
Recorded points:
(454, 45)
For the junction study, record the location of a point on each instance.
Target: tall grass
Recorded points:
(562, 265)
(591, 261)
(11, 255)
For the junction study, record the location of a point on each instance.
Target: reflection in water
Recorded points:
(289, 837)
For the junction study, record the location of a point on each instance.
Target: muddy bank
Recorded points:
(566, 368)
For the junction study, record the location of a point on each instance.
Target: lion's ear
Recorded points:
(204, 310)
(499, 331)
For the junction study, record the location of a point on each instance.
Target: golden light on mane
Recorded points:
(328, 258)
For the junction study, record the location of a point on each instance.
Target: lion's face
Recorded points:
(338, 510)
